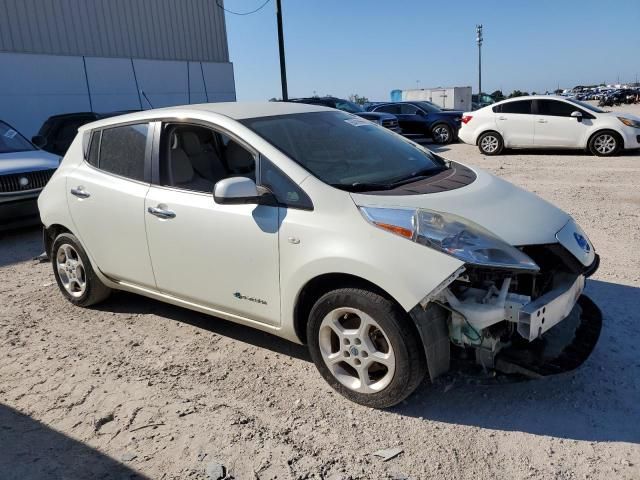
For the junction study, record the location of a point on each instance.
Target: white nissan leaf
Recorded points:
(328, 230)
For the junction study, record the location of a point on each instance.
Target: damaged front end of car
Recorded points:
(517, 310)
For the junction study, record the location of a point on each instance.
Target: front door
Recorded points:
(555, 127)
(106, 198)
(223, 257)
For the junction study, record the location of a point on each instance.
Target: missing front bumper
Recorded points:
(563, 348)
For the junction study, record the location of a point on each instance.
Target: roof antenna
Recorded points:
(146, 98)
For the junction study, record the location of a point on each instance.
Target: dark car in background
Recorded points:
(24, 171)
(424, 119)
(385, 119)
(58, 131)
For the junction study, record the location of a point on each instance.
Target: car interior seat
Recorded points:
(239, 161)
(181, 169)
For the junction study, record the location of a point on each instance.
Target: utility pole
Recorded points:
(479, 41)
(283, 68)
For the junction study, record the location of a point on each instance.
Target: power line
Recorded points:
(243, 13)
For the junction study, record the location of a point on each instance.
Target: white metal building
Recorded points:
(61, 56)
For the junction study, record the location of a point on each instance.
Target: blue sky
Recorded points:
(371, 47)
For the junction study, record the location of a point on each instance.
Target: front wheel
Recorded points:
(442, 134)
(364, 346)
(490, 143)
(604, 144)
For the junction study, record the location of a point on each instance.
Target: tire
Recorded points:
(74, 274)
(365, 347)
(490, 143)
(605, 143)
(442, 134)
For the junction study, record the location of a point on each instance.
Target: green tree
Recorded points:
(497, 95)
(518, 93)
(355, 98)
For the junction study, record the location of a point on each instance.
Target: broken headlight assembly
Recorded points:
(450, 234)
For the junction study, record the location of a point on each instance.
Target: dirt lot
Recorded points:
(136, 388)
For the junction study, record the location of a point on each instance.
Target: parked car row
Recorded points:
(410, 118)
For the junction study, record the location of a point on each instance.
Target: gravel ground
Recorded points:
(137, 388)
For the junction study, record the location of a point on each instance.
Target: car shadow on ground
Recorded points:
(596, 402)
(124, 302)
(31, 450)
(19, 245)
(563, 152)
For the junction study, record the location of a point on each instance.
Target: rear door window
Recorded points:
(520, 106)
(122, 151)
(394, 109)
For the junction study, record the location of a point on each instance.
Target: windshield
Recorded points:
(12, 141)
(349, 106)
(345, 151)
(586, 105)
(428, 106)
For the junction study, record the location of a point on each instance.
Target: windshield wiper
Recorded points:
(362, 186)
(418, 175)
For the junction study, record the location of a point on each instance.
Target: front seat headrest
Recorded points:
(191, 143)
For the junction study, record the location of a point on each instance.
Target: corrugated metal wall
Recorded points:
(154, 29)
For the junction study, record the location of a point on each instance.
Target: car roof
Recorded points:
(533, 97)
(234, 110)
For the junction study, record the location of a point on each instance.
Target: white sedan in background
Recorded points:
(549, 122)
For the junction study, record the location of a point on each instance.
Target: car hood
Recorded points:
(376, 116)
(33, 160)
(515, 215)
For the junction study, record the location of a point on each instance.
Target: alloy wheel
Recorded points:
(356, 350)
(489, 144)
(441, 134)
(605, 144)
(71, 270)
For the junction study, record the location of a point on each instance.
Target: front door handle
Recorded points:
(161, 212)
(542, 120)
(80, 192)
(502, 118)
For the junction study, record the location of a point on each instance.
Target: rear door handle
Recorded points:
(542, 120)
(502, 118)
(80, 192)
(161, 212)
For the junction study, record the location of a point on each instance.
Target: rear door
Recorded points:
(106, 197)
(555, 127)
(515, 122)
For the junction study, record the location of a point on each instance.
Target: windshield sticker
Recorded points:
(10, 133)
(358, 122)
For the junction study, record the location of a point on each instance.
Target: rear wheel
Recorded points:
(605, 144)
(364, 347)
(442, 134)
(75, 276)
(490, 143)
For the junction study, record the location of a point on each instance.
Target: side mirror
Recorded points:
(236, 191)
(39, 141)
(577, 115)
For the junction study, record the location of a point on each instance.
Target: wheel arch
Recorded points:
(488, 130)
(321, 284)
(608, 130)
(50, 234)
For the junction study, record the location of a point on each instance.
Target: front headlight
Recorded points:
(450, 234)
(629, 123)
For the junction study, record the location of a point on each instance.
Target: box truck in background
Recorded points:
(447, 98)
